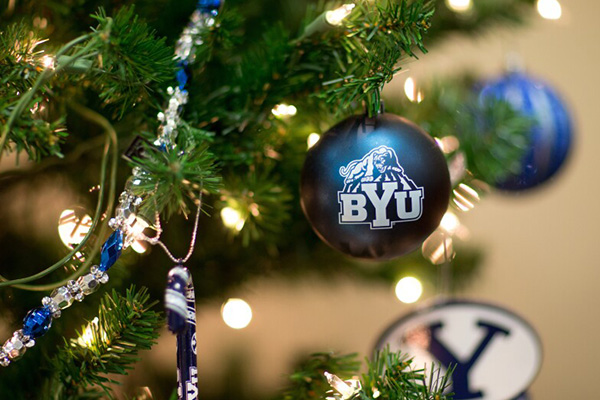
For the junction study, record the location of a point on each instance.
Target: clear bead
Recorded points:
(88, 283)
(96, 272)
(14, 348)
(4, 360)
(75, 290)
(27, 341)
(62, 297)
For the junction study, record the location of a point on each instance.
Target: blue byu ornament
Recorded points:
(495, 353)
(550, 135)
(375, 188)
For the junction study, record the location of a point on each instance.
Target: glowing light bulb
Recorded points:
(450, 223)
(335, 17)
(411, 91)
(232, 218)
(459, 5)
(465, 197)
(346, 389)
(448, 144)
(549, 9)
(139, 246)
(73, 225)
(236, 313)
(87, 336)
(313, 138)
(48, 62)
(284, 110)
(409, 289)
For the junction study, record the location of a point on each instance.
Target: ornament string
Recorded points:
(156, 240)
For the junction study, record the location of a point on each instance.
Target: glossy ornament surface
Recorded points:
(375, 188)
(551, 134)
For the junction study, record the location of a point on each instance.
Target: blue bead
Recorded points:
(111, 250)
(37, 322)
(183, 74)
(182, 78)
(551, 134)
(210, 6)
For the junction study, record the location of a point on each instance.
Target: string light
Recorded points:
(465, 197)
(411, 91)
(313, 138)
(48, 62)
(346, 389)
(73, 225)
(87, 338)
(335, 17)
(450, 223)
(232, 218)
(409, 289)
(448, 144)
(459, 6)
(284, 110)
(549, 9)
(236, 313)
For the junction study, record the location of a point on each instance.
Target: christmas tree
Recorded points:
(215, 123)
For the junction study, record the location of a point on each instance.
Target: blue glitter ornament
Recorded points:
(111, 250)
(37, 322)
(551, 134)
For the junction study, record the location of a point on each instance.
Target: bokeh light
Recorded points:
(236, 313)
(549, 9)
(409, 289)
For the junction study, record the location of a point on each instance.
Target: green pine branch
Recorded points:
(375, 39)
(484, 15)
(389, 375)
(263, 203)
(308, 381)
(492, 136)
(171, 178)
(119, 60)
(132, 59)
(125, 325)
(392, 376)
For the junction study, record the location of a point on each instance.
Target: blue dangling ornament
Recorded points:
(180, 306)
(551, 134)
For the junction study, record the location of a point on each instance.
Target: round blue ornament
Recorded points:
(551, 134)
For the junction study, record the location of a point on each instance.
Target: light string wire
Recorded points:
(110, 144)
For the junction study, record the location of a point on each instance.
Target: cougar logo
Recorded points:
(370, 183)
(380, 164)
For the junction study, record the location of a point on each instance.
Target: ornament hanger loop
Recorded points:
(181, 261)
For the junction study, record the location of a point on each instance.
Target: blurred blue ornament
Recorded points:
(551, 134)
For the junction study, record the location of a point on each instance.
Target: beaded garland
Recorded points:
(125, 224)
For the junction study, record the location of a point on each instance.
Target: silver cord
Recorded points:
(156, 240)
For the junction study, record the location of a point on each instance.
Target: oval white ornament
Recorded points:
(496, 354)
